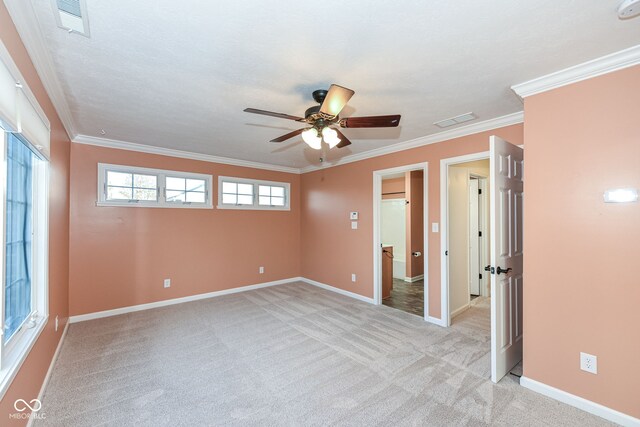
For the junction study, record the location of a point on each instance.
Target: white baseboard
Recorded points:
(414, 278)
(460, 310)
(436, 321)
(164, 303)
(45, 382)
(580, 403)
(338, 290)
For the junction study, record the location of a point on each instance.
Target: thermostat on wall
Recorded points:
(353, 216)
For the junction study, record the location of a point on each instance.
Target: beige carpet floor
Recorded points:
(287, 355)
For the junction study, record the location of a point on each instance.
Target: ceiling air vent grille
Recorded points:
(71, 15)
(72, 7)
(456, 120)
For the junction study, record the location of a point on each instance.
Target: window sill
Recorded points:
(255, 208)
(14, 360)
(148, 205)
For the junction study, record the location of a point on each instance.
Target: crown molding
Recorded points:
(149, 149)
(599, 66)
(24, 18)
(498, 122)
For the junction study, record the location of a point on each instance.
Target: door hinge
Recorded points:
(480, 276)
(479, 190)
(479, 233)
(446, 253)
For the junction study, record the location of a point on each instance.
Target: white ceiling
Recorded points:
(177, 74)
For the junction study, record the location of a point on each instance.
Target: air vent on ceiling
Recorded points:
(71, 15)
(456, 120)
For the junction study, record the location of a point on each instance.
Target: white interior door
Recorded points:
(474, 239)
(506, 205)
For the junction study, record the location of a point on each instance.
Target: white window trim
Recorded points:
(255, 206)
(161, 188)
(13, 355)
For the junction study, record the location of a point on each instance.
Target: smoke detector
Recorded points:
(629, 9)
(71, 15)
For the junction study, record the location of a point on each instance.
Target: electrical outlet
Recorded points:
(261, 270)
(167, 283)
(353, 277)
(56, 323)
(589, 363)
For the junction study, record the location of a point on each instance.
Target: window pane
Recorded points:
(245, 200)
(175, 196)
(145, 181)
(264, 200)
(245, 189)
(119, 193)
(195, 185)
(142, 194)
(277, 191)
(229, 187)
(175, 183)
(264, 190)
(277, 201)
(229, 199)
(120, 179)
(195, 197)
(19, 220)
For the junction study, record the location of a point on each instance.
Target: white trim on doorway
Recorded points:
(444, 230)
(377, 262)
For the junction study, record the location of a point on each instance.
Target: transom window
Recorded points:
(241, 193)
(133, 186)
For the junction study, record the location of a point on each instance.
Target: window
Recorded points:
(133, 186)
(240, 193)
(24, 251)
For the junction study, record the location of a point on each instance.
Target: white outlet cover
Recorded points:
(56, 323)
(261, 270)
(167, 283)
(589, 363)
(353, 277)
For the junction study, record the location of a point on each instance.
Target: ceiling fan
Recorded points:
(324, 118)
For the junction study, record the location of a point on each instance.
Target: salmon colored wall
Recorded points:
(332, 251)
(26, 385)
(415, 223)
(121, 255)
(393, 188)
(582, 275)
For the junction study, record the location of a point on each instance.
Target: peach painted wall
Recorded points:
(26, 385)
(332, 251)
(393, 188)
(415, 223)
(121, 255)
(582, 275)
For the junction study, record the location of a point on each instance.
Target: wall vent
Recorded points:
(456, 120)
(71, 15)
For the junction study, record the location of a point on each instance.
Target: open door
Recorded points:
(506, 205)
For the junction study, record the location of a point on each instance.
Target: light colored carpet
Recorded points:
(286, 355)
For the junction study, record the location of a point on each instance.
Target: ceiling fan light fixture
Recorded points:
(312, 139)
(330, 136)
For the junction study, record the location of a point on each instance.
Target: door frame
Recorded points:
(377, 255)
(444, 227)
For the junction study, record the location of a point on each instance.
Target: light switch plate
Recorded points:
(354, 225)
(435, 227)
(353, 215)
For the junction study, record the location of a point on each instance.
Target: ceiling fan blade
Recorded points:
(344, 141)
(287, 136)
(272, 114)
(371, 122)
(335, 100)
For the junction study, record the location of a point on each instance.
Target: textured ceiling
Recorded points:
(178, 74)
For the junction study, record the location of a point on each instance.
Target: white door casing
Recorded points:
(507, 161)
(474, 240)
